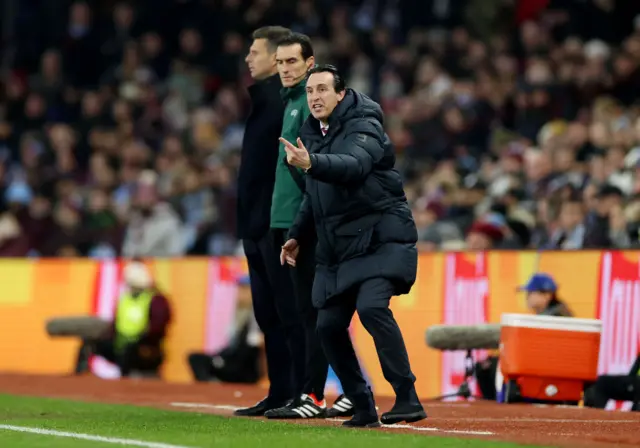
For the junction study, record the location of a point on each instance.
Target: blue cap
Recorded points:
(540, 283)
(496, 219)
(18, 192)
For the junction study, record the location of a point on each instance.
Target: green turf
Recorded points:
(188, 429)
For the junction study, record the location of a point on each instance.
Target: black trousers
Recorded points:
(613, 387)
(242, 368)
(238, 362)
(371, 300)
(276, 312)
(130, 357)
(302, 275)
(485, 373)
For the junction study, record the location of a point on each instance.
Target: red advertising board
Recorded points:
(619, 309)
(466, 295)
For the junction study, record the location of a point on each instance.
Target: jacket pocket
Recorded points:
(396, 226)
(353, 239)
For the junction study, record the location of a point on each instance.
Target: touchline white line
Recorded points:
(92, 438)
(414, 428)
(430, 429)
(222, 407)
(533, 420)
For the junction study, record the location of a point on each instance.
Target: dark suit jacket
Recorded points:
(259, 158)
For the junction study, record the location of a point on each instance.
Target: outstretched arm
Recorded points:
(361, 152)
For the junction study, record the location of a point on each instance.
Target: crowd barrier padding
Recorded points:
(453, 288)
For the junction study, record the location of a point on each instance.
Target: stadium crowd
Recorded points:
(121, 122)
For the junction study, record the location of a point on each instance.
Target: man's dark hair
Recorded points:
(338, 81)
(272, 34)
(298, 38)
(573, 197)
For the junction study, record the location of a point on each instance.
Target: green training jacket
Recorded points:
(287, 196)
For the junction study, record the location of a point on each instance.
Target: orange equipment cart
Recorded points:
(546, 358)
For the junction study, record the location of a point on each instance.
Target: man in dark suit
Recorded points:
(277, 318)
(366, 251)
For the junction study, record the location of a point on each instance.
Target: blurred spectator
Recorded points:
(154, 228)
(542, 299)
(606, 224)
(195, 202)
(501, 112)
(13, 242)
(484, 236)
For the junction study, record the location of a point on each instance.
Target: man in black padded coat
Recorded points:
(366, 251)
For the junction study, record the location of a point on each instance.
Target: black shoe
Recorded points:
(259, 409)
(343, 407)
(363, 420)
(409, 413)
(305, 407)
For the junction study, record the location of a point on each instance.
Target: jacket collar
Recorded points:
(336, 119)
(313, 134)
(259, 88)
(335, 122)
(289, 93)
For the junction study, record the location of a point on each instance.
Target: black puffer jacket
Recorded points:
(356, 199)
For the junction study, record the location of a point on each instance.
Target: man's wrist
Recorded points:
(309, 164)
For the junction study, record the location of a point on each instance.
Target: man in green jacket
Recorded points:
(294, 58)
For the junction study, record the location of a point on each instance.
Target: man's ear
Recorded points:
(341, 95)
(272, 60)
(311, 62)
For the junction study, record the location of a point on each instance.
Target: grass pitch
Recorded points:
(67, 424)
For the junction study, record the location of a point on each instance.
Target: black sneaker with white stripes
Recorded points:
(260, 408)
(306, 407)
(341, 408)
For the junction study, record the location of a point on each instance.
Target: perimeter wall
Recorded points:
(455, 288)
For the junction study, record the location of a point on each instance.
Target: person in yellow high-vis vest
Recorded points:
(142, 315)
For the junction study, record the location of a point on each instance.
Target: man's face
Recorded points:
(260, 60)
(571, 215)
(511, 165)
(477, 241)
(537, 166)
(39, 207)
(322, 97)
(67, 217)
(98, 201)
(146, 197)
(537, 301)
(422, 218)
(291, 65)
(606, 203)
